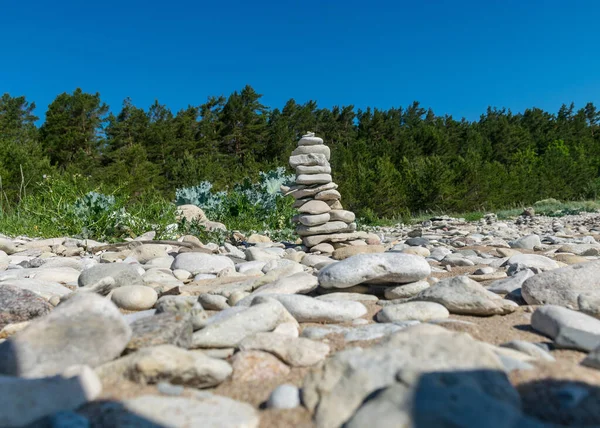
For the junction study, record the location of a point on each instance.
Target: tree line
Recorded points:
(387, 162)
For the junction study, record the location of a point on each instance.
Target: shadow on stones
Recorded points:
(527, 328)
(479, 398)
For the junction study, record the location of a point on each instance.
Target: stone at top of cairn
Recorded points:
(309, 139)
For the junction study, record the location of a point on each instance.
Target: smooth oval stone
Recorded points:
(196, 263)
(315, 169)
(381, 268)
(418, 311)
(313, 178)
(342, 215)
(134, 297)
(313, 220)
(310, 140)
(313, 150)
(329, 227)
(314, 207)
(309, 159)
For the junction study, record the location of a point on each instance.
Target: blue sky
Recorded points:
(457, 57)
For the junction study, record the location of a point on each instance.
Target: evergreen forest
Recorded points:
(387, 162)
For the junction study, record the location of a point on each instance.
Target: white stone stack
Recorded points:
(322, 220)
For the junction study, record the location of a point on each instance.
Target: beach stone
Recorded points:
(531, 261)
(121, 273)
(589, 303)
(232, 328)
(562, 286)
(310, 159)
(329, 227)
(568, 328)
(310, 140)
(314, 220)
(318, 149)
(405, 290)
(419, 311)
(528, 242)
(284, 396)
(330, 195)
(18, 305)
(4, 260)
(166, 363)
(184, 305)
(61, 275)
(52, 343)
(357, 334)
(345, 252)
(197, 263)
(213, 302)
(7, 246)
(251, 366)
(376, 268)
(146, 252)
(162, 328)
(206, 410)
(255, 238)
(356, 297)
(311, 241)
(164, 263)
(510, 284)
(191, 213)
(134, 297)
(418, 251)
(530, 349)
(316, 169)
(456, 259)
(309, 309)
(313, 179)
(323, 248)
(342, 215)
(314, 207)
(295, 351)
(26, 401)
(255, 265)
(461, 295)
(261, 255)
(297, 283)
(338, 388)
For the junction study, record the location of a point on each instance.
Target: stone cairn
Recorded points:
(322, 220)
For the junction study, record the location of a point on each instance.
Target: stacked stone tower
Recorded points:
(322, 220)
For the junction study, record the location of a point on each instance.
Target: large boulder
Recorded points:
(382, 268)
(562, 286)
(85, 330)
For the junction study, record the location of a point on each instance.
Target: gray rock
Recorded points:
(25, 401)
(355, 334)
(405, 290)
(163, 328)
(342, 295)
(231, 328)
(4, 260)
(530, 261)
(285, 396)
(528, 242)
(418, 311)
(314, 207)
(309, 309)
(562, 286)
(121, 273)
(134, 297)
(327, 228)
(87, 329)
(17, 305)
(456, 260)
(7, 246)
(376, 268)
(44, 289)
(295, 351)
(461, 295)
(568, 328)
(62, 275)
(312, 159)
(196, 263)
(204, 410)
(336, 390)
(183, 305)
(510, 284)
(530, 349)
(589, 303)
(213, 302)
(297, 283)
(313, 179)
(166, 363)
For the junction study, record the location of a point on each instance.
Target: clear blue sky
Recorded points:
(457, 57)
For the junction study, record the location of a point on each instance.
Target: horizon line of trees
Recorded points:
(387, 162)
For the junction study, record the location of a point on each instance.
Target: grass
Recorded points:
(72, 206)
